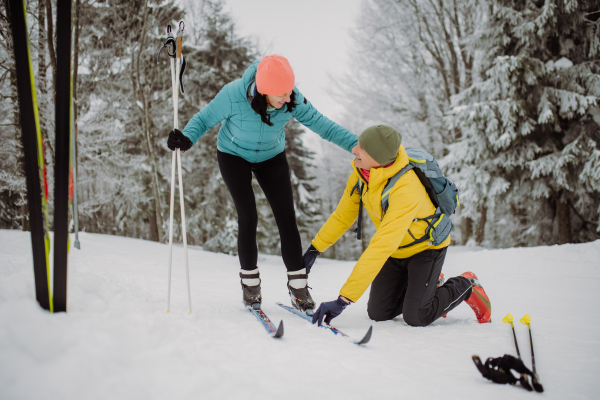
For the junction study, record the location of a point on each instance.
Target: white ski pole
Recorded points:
(170, 46)
(179, 63)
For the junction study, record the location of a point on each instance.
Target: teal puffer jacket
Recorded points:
(243, 133)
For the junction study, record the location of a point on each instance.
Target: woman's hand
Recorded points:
(178, 140)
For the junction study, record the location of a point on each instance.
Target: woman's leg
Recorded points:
(273, 177)
(236, 173)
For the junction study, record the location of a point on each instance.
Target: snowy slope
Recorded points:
(118, 342)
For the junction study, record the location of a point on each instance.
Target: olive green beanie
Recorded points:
(381, 142)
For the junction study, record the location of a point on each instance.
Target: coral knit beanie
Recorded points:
(381, 142)
(274, 76)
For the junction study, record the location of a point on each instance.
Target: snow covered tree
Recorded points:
(530, 146)
(409, 58)
(120, 184)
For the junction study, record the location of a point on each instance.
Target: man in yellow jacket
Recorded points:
(403, 277)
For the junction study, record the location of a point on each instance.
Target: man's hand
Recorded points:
(330, 310)
(178, 140)
(309, 258)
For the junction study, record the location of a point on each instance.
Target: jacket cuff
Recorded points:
(320, 245)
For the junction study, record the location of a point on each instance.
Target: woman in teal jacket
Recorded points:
(253, 111)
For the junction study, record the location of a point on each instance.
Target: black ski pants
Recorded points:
(407, 286)
(273, 176)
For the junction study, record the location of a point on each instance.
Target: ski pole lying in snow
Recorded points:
(535, 380)
(524, 381)
(174, 47)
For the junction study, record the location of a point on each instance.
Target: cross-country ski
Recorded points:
(330, 328)
(275, 332)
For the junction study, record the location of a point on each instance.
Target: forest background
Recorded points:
(503, 93)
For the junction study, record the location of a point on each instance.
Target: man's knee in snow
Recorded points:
(378, 314)
(412, 318)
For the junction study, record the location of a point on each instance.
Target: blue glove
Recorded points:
(329, 311)
(309, 258)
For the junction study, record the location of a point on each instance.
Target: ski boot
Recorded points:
(298, 288)
(250, 281)
(478, 301)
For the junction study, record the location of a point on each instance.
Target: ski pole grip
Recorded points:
(179, 45)
(526, 319)
(508, 319)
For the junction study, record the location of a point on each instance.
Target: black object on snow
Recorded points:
(35, 170)
(64, 98)
(498, 370)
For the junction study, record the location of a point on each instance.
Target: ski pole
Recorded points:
(180, 68)
(526, 320)
(174, 53)
(170, 46)
(509, 320)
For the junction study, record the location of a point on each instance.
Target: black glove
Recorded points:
(329, 311)
(178, 140)
(309, 258)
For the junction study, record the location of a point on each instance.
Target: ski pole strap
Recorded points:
(498, 370)
(181, 71)
(170, 45)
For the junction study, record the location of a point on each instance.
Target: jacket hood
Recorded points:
(250, 74)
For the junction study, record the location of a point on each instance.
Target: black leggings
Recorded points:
(273, 176)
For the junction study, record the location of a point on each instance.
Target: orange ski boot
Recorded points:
(478, 301)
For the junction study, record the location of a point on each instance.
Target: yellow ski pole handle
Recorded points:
(508, 319)
(526, 320)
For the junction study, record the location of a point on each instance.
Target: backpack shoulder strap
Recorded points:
(385, 195)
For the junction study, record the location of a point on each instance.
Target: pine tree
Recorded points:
(530, 148)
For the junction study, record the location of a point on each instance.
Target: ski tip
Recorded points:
(279, 332)
(367, 337)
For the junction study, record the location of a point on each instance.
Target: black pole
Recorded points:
(34, 157)
(62, 148)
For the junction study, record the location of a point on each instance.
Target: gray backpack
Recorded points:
(441, 190)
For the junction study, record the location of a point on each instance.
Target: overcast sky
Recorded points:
(312, 34)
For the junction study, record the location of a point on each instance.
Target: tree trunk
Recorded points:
(153, 228)
(563, 220)
(138, 90)
(466, 230)
(480, 232)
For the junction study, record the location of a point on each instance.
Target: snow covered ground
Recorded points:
(117, 341)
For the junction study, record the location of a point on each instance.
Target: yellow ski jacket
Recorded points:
(408, 200)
